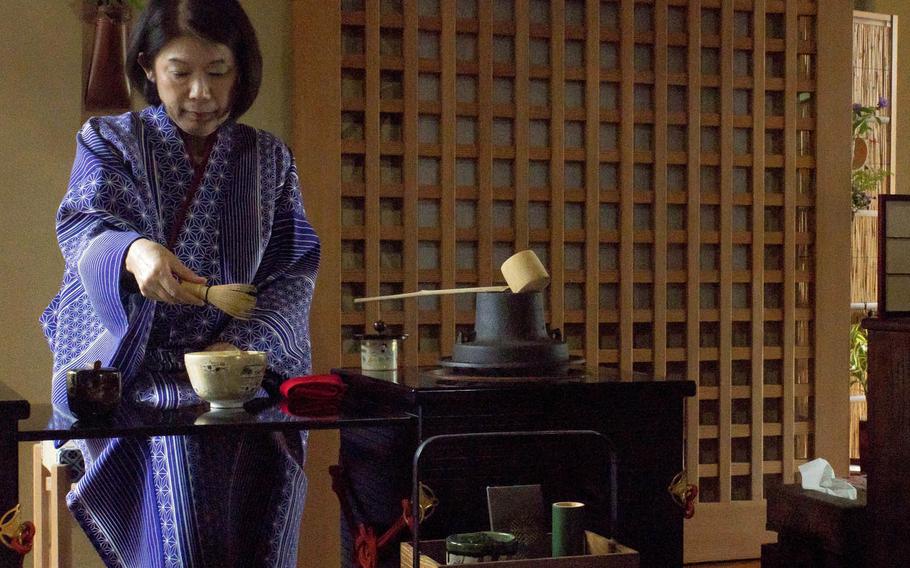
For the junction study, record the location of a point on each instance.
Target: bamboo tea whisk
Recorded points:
(236, 300)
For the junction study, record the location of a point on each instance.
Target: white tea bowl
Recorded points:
(226, 379)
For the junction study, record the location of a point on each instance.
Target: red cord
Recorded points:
(691, 494)
(365, 547)
(24, 541)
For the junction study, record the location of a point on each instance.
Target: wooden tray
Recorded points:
(604, 553)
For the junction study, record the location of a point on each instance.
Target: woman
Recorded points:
(180, 191)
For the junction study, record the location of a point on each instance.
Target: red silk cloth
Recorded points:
(313, 395)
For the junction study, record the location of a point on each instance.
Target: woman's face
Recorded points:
(195, 80)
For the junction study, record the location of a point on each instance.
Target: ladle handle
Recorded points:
(433, 293)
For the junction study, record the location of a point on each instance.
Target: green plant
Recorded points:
(859, 349)
(865, 117)
(865, 182)
(136, 5)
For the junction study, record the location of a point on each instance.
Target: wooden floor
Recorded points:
(732, 564)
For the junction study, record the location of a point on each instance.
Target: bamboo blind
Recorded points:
(864, 266)
(874, 46)
(874, 50)
(659, 156)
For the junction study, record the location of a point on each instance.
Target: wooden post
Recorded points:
(12, 409)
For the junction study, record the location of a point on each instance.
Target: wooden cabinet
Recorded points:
(841, 533)
(643, 420)
(889, 443)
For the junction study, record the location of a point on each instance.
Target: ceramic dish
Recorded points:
(226, 379)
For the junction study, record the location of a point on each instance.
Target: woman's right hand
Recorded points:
(157, 270)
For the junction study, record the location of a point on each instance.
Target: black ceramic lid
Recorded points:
(381, 333)
(481, 543)
(95, 368)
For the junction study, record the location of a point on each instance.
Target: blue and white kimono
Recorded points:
(204, 500)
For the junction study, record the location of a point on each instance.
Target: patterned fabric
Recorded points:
(72, 458)
(204, 500)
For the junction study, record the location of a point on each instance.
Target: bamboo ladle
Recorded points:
(523, 272)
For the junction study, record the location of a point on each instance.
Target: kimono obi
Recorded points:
(163, 361)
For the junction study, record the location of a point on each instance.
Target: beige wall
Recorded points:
(40, 94)
(901, 9)
(40, 66)
(40, 83)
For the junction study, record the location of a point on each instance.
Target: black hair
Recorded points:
(218, 21)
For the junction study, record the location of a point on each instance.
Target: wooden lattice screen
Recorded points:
(658, 155)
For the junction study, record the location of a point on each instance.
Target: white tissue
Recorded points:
(818, 475)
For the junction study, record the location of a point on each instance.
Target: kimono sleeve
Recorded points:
(285, 279)
(98, 219)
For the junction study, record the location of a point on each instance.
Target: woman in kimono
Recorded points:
(181, 191)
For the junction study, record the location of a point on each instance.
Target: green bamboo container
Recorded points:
(568, 528)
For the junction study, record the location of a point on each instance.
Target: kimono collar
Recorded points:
(157, 118)
(207, 145)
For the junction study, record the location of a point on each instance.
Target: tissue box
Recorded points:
(818, 525)
(603, 553)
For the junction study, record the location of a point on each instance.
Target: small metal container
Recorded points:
(379, 351)
(93, 392)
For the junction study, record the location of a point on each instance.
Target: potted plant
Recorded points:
(859, 377)
(859, 349)
(865, 180)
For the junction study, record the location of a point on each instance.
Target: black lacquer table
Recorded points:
(21, 421)
(385, 415)
(642, 417)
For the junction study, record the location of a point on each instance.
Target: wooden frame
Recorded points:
(894, 256)
(50, 485)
